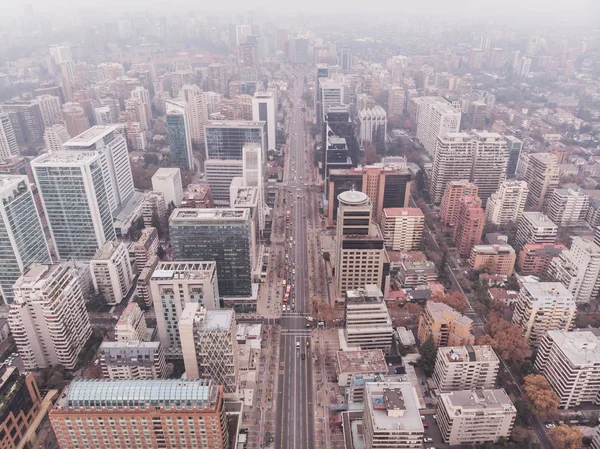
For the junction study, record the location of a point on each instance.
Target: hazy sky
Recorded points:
(454, 8)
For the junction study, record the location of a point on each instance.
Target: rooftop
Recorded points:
(65, 158)
(234, 124)
(9, 183)
(216, 320)
(184, 270)
(135, 393)
(403, 212)
(545, 294)
(580, 347)
(353, 197)
(90, 136)
(246, 197)
(393, 406)
(545, 158)
(368, 361)
(107, 250)
(538, 219)
(469, 353)
(209, 215)
(444, 312)
(472, 401)
(570, 192)
(166, 173)
(493, 249)
(370, 293)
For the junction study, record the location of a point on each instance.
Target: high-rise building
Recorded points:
(143, 95)
(543, 307)
(497, 259)
(465, 368)
(22, 239)
(264, 109)
(223, 235)
(475, 416)
(111, 272)
(507, 204)
(396, 101)
(48, 318)
(170, 413)
(345, 58)
(76, 202)
(175, 284)
(514, 151)
(75, 118)
(489, 165)
(361, 258)
(131, 325)
(542, 177)
(196, 110)
(568, 207)
(391, 417)
(403, 228)
(386, 184)
(453, 193)
(168, 182)
(469, 225)
(226, 139)
(219, 175)
(373, 125)
(535, 258)
(8, 141)
(535, 228)
(578, 269)
(247, 54)
(136, 111)
(368, 322)
(300, 50)
(570, 362)
(26, 119)
(179, 133)
(111, 147)
(331, 94)
(132, 360)
(445, 325)
(209, 345)
(217, 78)
(146, 247)
(54, 138)
(435, 118)
(51, 111)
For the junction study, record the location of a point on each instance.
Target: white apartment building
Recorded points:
(568, 207)
(391, 417)
(542, 177)
(209, 345)
(465, 368)
(48, 318)
(54, 137)
(80, 218)
(507, 204)
(453, 161)
(132, 325)
(578, 269)
(490, 163)
(168, 182)
(111, 272)
(373, 125)
(137, 112)
(8, 141)
(475, 416)
(103, 116)
(535, 227)
(403, 228)
(22, 239)
(172, 286)
(543, 307)
(264, 109)
(110, 145)
(332, 94)
(435, 118)
(135, 360)
(219, 174)
(396, 101)
(51, 109)
(368, 322)
(570, 361)
(196, 111)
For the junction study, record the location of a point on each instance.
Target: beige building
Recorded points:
(391, 418)
(497, 259)
(543, 307)
(507, 204)
(353, 365)
(568, 207)
(535, 228)
(475, 416)
(453, 193)
(435, 117)
(542, 177)
(132, 325)
(132, 360)
(570, 361)
(403, 228)
(145, 247)
(111, 272)
(465, 368)
(47, 318)
(445, 325)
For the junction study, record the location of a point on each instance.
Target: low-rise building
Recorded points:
(197, 196)
(496, 259)
(352, 364)
(132, 360)
(570, 361)
(465, 368)
(542, 307)
(475, 416)
(412, 274)
(445, 325)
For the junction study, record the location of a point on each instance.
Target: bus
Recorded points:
(288, 290)
(286, 298)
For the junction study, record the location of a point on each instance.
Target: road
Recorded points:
(295, 423)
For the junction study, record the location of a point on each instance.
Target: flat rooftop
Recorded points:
(65, 158)
(166, 173)
(217, 320)
(369, 294)
(90, 136)
(403, 212)
(443, 312)
(234, 124)
(386, 398)
(368, 361)
(580, 347)
(469, 353)
(184, 270)
(539, 219)
(106, 251)
(473, 401)
(546, 294)
(208, 215)
(246, 197)
(11, 182)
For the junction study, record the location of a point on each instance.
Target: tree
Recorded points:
(521, 436)
(505, 337)
(413, 308)
(524, 412)
(566, 437)
(428, 352)
(544, 400)
(442, 267)
(456, 300)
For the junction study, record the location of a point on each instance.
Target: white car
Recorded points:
(428, 440)
(550, 425)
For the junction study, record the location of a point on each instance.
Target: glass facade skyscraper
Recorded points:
(514, 151)
(179, 134)
(22, 239)
(75, 202)
(223, 235)
(225, 140)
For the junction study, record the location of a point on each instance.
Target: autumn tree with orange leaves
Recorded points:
(455, 300)
(506, 338)
(566, 437)
(544, 400)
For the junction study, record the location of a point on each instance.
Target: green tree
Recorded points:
(442, 267)
(428, 352)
